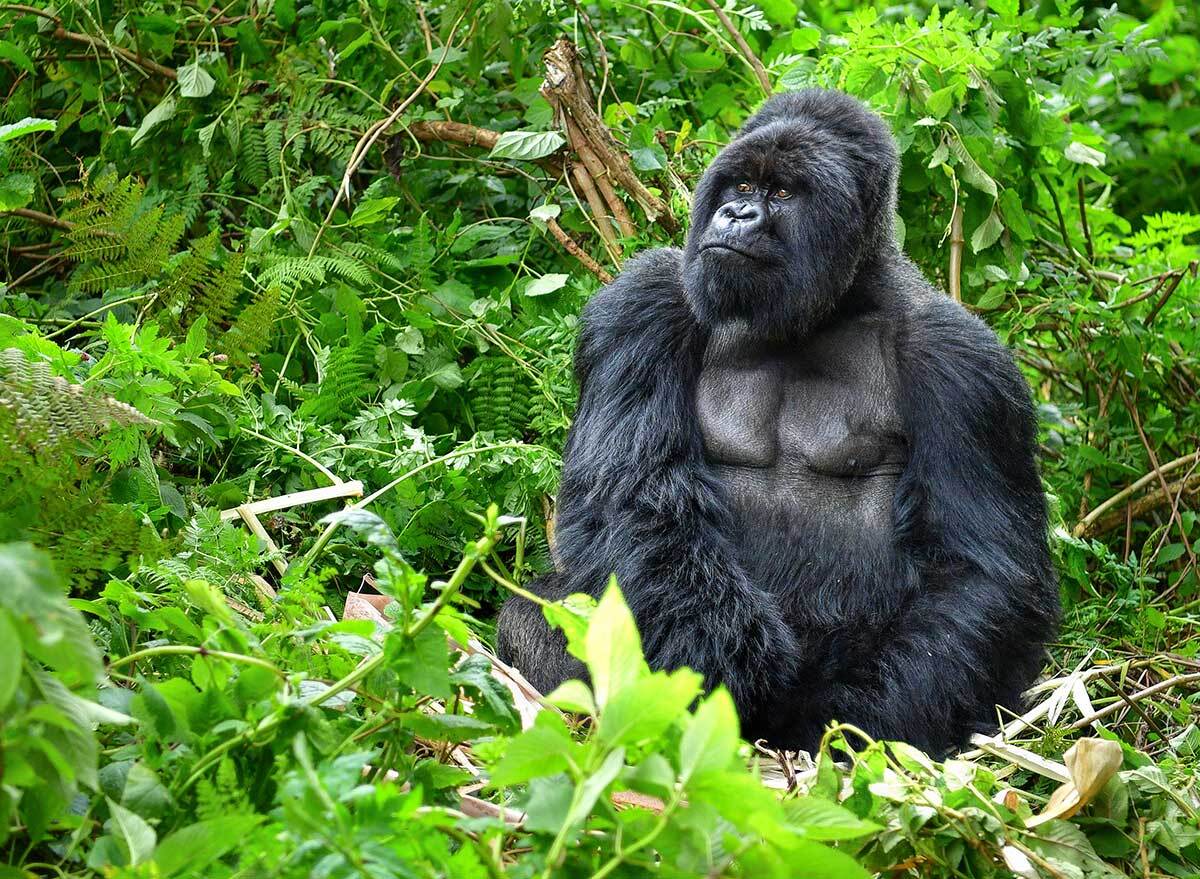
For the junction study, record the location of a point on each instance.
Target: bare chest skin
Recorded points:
(809, 430)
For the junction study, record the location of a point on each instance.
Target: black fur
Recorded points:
(915, 632)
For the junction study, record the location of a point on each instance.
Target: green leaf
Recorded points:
(547, 802)
(10, 52)
(452, 728)
(595, 784)
(1006, 9)
(194, 81)
(11, 659)
(988, 232)
(373, 210)
(190, 849)
(779, 12)
(138, 836)
(970, 170)
(821, 819)
(940, 102)
(711, 738)
(645, 709)
(541, 750)
(702, 62)
(547, 283)
(16, 191)
(285, 13)
(28, 125)
(526, 145)
(573, 696)
(614, 649)
(805, 38)
(161, 113)
(421, 662)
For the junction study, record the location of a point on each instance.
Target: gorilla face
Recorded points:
(784, 215)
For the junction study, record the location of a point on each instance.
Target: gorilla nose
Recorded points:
(739, 216)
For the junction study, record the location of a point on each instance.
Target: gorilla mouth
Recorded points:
(730, 248)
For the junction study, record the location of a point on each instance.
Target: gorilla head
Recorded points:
(785, 214)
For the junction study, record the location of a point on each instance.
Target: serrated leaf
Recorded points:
(190, 849)
(194, 81)
(526, 145)
(541, 750)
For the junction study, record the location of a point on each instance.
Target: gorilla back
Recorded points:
(812, 473)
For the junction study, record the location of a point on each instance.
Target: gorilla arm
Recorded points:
(971, 516)
(638, 499)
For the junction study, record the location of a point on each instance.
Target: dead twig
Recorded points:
(1083, 221)
(600, 176)
(1171, 288)
(61, 33)
(39, 217)
(1136, 697)
(565, 87)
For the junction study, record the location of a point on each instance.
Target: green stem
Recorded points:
(186, 649)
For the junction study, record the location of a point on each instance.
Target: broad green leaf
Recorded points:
(541, 750)
(10, 659)
(647, 707)
(452, 728)
(547, 283)
(805, 38)
(614, 649)
(711, 738)
(778, 12)
(1006, 9)
(22, 127)
(702, 62)
(11, 52)
(573, 696)
(190, 849)
(138, 836)
(526, 145)
(970, 170)
(547, 803)
(988, 232)
(821, 819)
(285, 13)
(421, 662)
(161, 113)
(373, 210)
(194, 81)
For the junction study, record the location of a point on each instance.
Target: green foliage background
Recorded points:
(201, 307)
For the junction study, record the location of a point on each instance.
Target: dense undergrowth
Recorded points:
(263, 248)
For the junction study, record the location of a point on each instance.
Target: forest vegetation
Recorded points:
(289, 291)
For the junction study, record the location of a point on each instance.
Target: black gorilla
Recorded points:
(812, 473)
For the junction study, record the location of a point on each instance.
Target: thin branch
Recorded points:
(743, 46)
(1084, 528)
(1083, 220)
(600, 176)
(1174, 285)
(1136, 697)
(39, 217)
(956, 251)
(133, 58)
(573, 248)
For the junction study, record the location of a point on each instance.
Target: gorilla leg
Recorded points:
(527, 642)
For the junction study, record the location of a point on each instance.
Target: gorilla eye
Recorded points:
(784, 194)
(745, 187)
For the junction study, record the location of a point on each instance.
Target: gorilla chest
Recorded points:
(810, 429)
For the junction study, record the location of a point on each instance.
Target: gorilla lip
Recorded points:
(709, 247)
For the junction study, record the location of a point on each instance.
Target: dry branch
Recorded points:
(566, 88)
(573, 248)
(295, 499)
(600, 176)
(1093, 522)
(133, 58)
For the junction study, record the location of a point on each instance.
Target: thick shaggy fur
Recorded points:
(916, 633)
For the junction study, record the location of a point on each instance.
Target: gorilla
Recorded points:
(812, 473)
